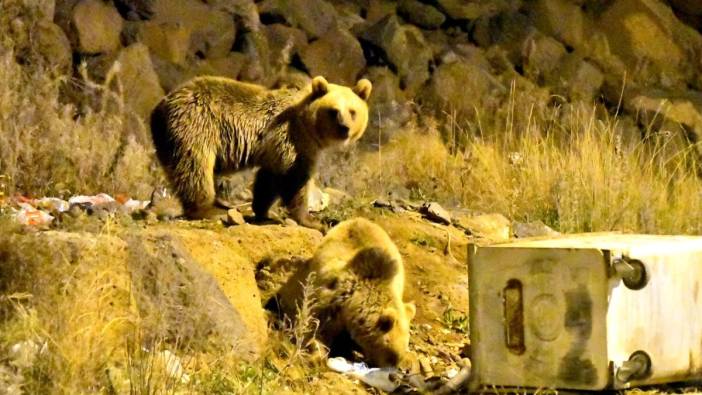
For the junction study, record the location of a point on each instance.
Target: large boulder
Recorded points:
(562, 19)
(315, 17)
(284, 42)
(140, 83)
(404, 47)
(97, 26)
(469, 10)
(53, 45)
(459, 87)
(420, 14)
(682, 109)
(212, 31)
(168, 40)
(581, 78)
(655, 46)
(542, 57)
(337, 56)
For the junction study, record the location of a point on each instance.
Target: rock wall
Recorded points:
(446, 55)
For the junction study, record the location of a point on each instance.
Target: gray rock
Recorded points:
(53, 45)
(404, 47)
(337, 55)
(316, 17)
(434, 212)
(420, 14)
(212, 31)
(234, 217)
(97, 25)
(494, 227)
(140, 83)
(532, 229)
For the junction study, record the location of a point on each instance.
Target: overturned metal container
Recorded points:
(586, 312)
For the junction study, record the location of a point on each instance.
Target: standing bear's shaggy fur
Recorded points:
(212, 125)
(358, 280)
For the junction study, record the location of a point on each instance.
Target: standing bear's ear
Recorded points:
(363, 89)
(320, 86)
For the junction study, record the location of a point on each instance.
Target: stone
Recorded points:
(140, 83)
(493, 227)
(434, 212)
(583, 79)
(474, 9)
(458, 86)
(134, 10)
(404, 46)
(542, 56)
(284, 42)
(212, 31)
(234, 217)
(420, 14)
(167, 40)
(685, 109)
(379, 9)
(532, 229)
(563, 20)
(53, 45)
(245, 11)
(97, 25)
(337, 56)
(647, 32)
(257, 67)
(229, 66)
(688, 7)
(315, 17)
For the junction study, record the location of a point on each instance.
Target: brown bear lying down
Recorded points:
(357, 281)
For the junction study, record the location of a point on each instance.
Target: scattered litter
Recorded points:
(385, 379)
(24, 353)
(28, 215)
(317, 200)
(52, 204)
(100, 198)
(174, 368)
(38, 212)
(132, 205)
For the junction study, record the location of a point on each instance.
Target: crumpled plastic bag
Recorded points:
(95, 200)
(28, 215)
(382, 378)
(52, 204)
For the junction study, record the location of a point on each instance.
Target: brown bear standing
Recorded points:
(211, 126)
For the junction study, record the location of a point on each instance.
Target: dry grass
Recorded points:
(49, 147)
(568, 166)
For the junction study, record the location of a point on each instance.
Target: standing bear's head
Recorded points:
(337, 114)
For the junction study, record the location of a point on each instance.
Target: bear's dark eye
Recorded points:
(385, 324)
(352, 112)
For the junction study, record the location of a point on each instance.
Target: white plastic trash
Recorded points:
(375, 377)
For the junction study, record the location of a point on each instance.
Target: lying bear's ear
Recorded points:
(374, 263)
(410, 310)
(363, 89)
(320, 86)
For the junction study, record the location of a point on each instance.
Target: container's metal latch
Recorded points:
(637, 367)
(631, 271)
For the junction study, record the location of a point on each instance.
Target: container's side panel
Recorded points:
(664, 319)
(538, 317)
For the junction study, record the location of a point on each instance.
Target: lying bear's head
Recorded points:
(369, 303)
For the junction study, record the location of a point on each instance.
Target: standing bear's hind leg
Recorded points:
(193, 181)
(265, 192)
